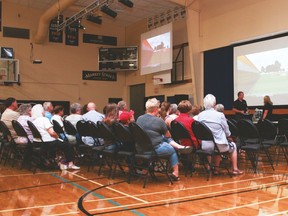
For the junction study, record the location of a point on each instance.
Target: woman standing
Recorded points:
(268, 108)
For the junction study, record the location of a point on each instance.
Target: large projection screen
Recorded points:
(156, 50)
(261, 69)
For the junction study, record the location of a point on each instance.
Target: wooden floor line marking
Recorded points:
(117, 191)
(185, 189)
(242, 206)
(189, 197)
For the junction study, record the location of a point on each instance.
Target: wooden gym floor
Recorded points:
(57, 193)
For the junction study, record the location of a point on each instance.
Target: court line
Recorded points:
(192, 198)
(242, 206)
(117, 191)
(185, 189)
(25, 174)
(111, 201)
(70, 203)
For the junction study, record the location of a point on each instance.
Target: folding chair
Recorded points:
(252, 143)
(202, 132)
(178, 132)
(146, 154)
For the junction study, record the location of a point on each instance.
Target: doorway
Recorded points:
(137, 95)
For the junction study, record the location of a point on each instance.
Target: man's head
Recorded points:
(48, 106)
(91, 106)
(240, 95)
(11, 103)
(152, 105)
(75, 108)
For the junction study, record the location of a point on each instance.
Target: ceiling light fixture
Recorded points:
(127, 3)
(94, 19)
(105, 9)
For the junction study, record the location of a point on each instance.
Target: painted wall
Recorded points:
(59, 77)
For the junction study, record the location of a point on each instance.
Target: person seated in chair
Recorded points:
(25, 115)
(185, 108)
(156, 128)
(217, 123)
(51, 139)
(10, 114)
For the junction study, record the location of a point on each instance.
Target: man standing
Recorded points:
(240, 106)
(10, 114)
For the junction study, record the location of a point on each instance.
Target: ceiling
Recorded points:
(126, 16)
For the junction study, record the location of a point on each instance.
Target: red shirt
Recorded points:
(187, 121)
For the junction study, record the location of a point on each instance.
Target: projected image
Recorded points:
(156, 51)
(260, 73)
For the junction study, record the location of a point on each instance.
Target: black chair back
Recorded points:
(267, 129)
(57, 127)
(201, 131)
(83, 128)
(105, 131)
(124, 135)
(5, 131)
(283, 127)
(69, 128)
(36, 134)
(20, 131)
(247, 130)
(143, 141)
(233, 128)
(178, 131)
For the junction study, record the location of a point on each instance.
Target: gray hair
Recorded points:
(46, 105)
(37, 111)
(209, 101)
(173, 108)
(75, 107)
(24, 109)
(219, 107)
(121, 105)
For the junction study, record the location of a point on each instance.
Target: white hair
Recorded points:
(219, 107)
(46, 105)
(209, 101)
(37, 111)
(152, 102)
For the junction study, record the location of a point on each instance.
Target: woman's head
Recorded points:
(37, 111)
(184, 106)
(25, 109)
(209, 101)
(267, 100)
(111, 113)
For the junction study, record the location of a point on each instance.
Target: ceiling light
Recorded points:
(127, 3)
(105, 9)
(94, 19)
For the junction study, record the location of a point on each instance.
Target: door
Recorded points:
(137, 103)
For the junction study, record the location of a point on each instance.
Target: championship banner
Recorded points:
(99, 76)
(72, 34)
(54, 35)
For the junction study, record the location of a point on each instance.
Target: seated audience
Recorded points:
(25, 115)
(184, 108)
(126, 117)
(94, 116)
(173, 113)
(10, 114)
(219, 108)
(58, 112)
(51, 139)
(268, 108)
(156, 129)
(75, 114)
(122, 106)
(217, 123)
(195, 111)
(48, 107)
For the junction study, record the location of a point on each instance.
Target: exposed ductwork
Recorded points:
(45, 19)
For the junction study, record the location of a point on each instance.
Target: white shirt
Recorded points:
(217, 123)
(57, 118)
(43, 124)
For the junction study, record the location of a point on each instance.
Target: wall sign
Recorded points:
(99, 75)
(54, 35)
(99, 39)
